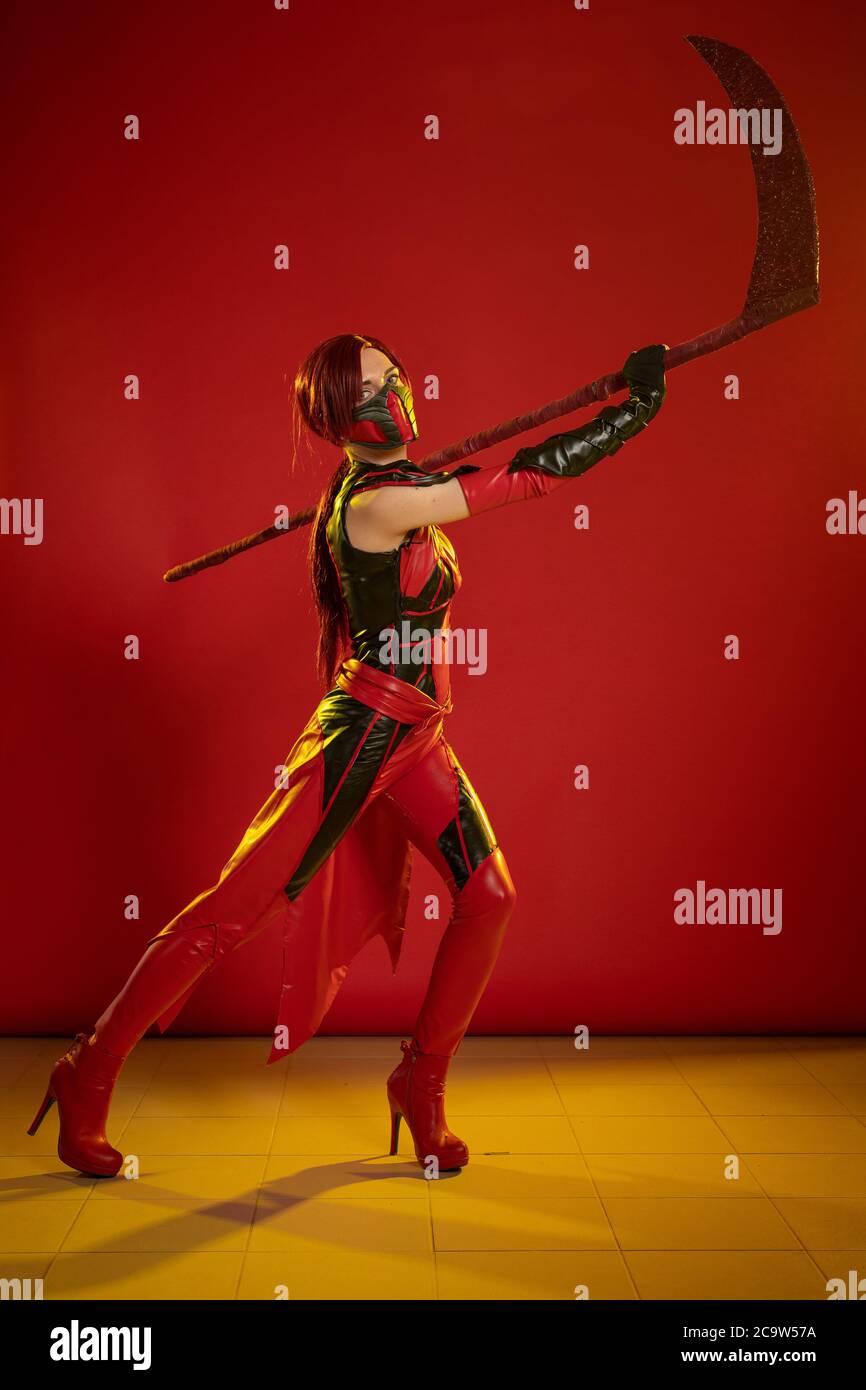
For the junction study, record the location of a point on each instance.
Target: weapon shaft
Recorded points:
(225, 552)
(605, 386)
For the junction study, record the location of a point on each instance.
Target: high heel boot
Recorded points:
(82, 1081)
(416, 1093)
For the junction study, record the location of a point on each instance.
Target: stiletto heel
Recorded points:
(396, 1117)
(46, 1105)
(416, 1091)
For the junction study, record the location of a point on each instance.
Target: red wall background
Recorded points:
(155, 257)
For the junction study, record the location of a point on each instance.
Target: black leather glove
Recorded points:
(645, 369)
(569, 454)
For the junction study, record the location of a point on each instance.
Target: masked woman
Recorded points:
(329, 854)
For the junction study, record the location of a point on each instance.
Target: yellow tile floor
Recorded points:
(645, 1168)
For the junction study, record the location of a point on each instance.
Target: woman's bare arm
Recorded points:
(380, 518)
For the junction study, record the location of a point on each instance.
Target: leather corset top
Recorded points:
(397, 600)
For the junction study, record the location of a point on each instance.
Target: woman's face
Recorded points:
(376, 370)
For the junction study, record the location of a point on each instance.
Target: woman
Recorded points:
(329, 853)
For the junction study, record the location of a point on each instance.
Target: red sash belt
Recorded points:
(388, 694)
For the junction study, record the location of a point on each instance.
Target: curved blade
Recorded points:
(785, 269)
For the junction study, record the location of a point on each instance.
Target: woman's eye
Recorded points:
(368, 392)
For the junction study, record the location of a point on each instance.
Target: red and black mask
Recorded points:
(387, 419)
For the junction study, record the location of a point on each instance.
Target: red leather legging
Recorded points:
(445, 820)
(436, 797)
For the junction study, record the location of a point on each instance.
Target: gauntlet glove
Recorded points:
(537, 470)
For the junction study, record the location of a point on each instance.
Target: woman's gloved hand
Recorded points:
(539, 468)
(645, 369)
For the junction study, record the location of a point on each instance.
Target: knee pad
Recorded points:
(193, 943)
(488, 890)
(231, 935)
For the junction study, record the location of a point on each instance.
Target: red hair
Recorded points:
(327, 389)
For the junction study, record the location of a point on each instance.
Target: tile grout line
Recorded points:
(598, 1195)
(252, 1221)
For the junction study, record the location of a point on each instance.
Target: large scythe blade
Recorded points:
(784, 276)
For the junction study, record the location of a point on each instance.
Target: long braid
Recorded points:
(331, 608)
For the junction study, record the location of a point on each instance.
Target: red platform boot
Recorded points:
(81, 1083)
(416, 1092)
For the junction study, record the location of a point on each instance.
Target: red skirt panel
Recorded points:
(361, 890)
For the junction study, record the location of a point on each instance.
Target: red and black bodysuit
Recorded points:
(398, 605)
(372, 774)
